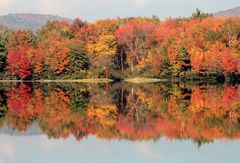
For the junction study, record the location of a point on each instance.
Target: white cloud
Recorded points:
(7, 151)
(72, 8)
(5, 4)
(51, 7)
(51, 144)
(141, 3)
(147, 151)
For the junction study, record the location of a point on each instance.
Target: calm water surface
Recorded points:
(121, 122)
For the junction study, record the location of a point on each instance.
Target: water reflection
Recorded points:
(201, 113)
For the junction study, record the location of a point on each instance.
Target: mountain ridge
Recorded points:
(29, 20)
(34, 22)
(233, 12)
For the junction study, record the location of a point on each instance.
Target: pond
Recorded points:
(119, 122)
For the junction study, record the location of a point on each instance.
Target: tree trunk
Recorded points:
(132, 67)
(122, 62)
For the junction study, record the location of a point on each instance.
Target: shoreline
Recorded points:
(135, 80)
(100, 80)
(94, 80)
(144, 80)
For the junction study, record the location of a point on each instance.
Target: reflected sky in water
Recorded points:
(122, 122)
(38, 149)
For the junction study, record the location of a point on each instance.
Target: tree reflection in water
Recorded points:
(200, 112)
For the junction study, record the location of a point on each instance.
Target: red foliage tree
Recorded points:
(19, 64)
(137, 36)
(229, 63)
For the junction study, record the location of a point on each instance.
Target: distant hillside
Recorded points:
(2, 27)
(234, 12)
(28, 21)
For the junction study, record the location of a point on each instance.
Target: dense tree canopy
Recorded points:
(199, 47)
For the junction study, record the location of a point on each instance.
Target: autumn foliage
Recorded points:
(19, 64)
(195, 48)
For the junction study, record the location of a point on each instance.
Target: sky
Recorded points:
(91, 10)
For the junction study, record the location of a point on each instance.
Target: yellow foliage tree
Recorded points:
(101, 53)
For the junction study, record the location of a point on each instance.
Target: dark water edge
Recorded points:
(229, 78)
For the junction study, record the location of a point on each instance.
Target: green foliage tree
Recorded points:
(3, 53)
(78, 61)
(198, 14)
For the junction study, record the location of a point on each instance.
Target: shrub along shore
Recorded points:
(141, 49)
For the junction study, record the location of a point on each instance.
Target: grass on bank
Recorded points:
(143, 80)
(97, 80)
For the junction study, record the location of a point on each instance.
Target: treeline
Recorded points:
(199, 47)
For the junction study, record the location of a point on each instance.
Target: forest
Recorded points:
(200, 47)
